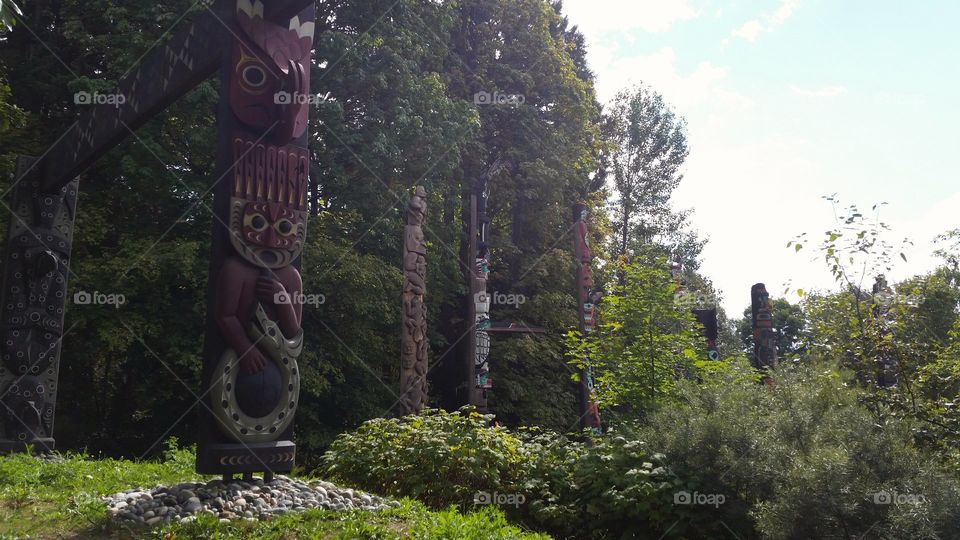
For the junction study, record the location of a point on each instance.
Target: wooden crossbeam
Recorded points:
(193, 54)
(514, 328)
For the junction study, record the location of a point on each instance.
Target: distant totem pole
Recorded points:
(479, 343)
(254, 337)
(703, 311)
(764, 336)
(708, 319)
(413, 342)
(586, 308)
(887, 368)
(39, 239)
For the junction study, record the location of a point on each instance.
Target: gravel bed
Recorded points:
(251, 500)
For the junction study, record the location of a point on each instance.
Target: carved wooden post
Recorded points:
(253, 337)
(764, 336)
(708, 318)
(37, 255)
(268, 49)
(887, 368)
(479, 344)
(586, 307)
(413, 343)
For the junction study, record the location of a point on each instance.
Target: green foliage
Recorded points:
(804, 459)
(8, 13)
(647, 147)
(644, 343)
(410, 520)
(611, 486)
(437, 457)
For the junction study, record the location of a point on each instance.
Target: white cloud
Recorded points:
(825, 91)
(654, 16)
(702, 86)
(752, 29)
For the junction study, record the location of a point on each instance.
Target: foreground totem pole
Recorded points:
(586, 307)
(413, 342)
(253, 340)
(764, 336)
(39, 238)
(262, 51)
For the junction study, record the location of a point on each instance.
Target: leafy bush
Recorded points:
(566, 487)
(805, 459)
(439, 458)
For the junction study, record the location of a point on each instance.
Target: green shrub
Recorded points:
(439, 458)
(803, 460)
(568, 488)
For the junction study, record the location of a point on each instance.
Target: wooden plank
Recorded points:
(172, 69)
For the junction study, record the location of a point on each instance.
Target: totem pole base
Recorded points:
(270, 457)
(36, 446)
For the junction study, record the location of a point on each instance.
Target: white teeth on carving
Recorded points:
(302, 30)
(306, 30)
(251, 9)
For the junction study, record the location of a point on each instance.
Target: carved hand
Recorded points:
(269, 290)
(252, 361)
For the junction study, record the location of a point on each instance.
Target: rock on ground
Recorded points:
(235, 500)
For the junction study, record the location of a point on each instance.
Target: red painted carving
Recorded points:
(271, 67)
(585, 298)
(269, 192)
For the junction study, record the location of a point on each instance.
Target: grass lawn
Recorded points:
(45, 499)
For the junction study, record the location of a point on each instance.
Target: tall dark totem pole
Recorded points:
(478, 342)
(253, 335)
(587, 299)
(39, 239)
(764, 335)
(250, 373)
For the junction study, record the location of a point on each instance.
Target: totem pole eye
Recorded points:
(284, 226)
(254, 76)
(257, 222)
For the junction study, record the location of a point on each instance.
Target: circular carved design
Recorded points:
(233, 421)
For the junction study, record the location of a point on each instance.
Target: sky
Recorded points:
(788, 101)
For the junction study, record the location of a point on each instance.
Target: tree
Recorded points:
(648, 145)
(644, 343)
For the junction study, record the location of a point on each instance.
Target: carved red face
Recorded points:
(269, 225)
(267, 234)
(269, 85)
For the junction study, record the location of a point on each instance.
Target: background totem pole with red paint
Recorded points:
(586, 307)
